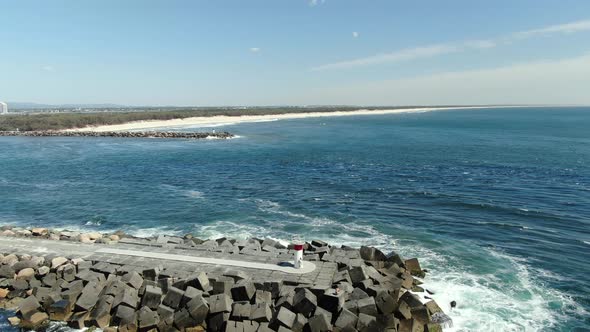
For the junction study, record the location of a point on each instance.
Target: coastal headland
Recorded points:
(219, 120)
(118, 282)
(142, 119)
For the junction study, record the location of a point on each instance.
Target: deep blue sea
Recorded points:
(494, 202)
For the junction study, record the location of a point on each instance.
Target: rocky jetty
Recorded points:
(121, 134)
(354, 290)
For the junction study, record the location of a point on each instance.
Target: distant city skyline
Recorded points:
(238, 53)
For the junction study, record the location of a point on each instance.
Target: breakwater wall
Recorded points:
(121, 134)
(80, 279)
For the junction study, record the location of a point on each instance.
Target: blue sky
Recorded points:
(297, 52)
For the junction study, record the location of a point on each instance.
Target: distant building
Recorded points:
(3, 108)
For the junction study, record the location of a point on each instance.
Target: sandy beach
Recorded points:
(226, 120)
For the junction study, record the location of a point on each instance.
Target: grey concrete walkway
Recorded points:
(306, 267)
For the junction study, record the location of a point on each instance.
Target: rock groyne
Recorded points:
(349, 290)
(121, 134)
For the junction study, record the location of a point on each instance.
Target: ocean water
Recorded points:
(494, 202)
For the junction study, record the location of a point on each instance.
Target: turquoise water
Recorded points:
(494, 202)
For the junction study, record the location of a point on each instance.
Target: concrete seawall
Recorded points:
(121, 134)
(122, 283)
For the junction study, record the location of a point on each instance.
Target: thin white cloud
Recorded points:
(316, 2)
(48, 68)
(480, 44)
(561, 81)
(254, 49)
(355, 34)
(447, 48)
(402, 55)
(571, 27)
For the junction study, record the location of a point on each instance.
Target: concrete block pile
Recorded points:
(368, 291)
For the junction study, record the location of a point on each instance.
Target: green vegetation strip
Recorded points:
(71, 120)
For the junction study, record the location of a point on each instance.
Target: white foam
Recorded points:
(509, 299)
(276, 208)
(224, 228)
(485, 302)
(190, 193)
(153, 231)
(93, 223)
(195, 194)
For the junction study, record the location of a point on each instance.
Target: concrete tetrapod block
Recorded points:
(320, 323)
(199, 281)
(273, 287)
(220, 303)
(78, 320)
(124, 315)
(151, 273)
(115, 287)
(127, 296)
(322, 311)
(198, 308)
(358, 294)
(260, 312)
(133, 279)
(358, 274)
(412, 300)
(262, 296)
(413, 266)
(385, 303)
(250, 326)
(244, 290)
(332, 301)
(183, 319)
(147, 319)
(222, 285)
(299, 323)
(421, 314)
(89, 297)
(433, 307)
(367, 306)
(305, 302)
(234, 326)
(404, 310)
(100, 315)
(152, 297)
(240, 311)
(286, 317)
(165, 312)
(60, 310)
(189, 294)
(173, 297)
(366, 323)
(346, 319)
(216, 321)
(387, 322)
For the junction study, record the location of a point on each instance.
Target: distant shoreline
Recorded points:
(226, 120)
(118, 134)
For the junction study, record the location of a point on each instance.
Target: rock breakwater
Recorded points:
(121, 134)
(350, 290)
